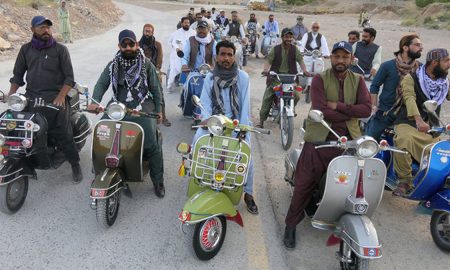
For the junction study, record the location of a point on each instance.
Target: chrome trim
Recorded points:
(12, 180)
(200, 220)
(357, 252)
(100, 198)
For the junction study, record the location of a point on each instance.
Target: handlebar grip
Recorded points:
(262, 130)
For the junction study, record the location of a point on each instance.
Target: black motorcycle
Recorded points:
(25, 146)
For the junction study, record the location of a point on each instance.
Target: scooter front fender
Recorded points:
(208, 203)
(12, 166)
(360, 234)
(440, 201)
(106, 183)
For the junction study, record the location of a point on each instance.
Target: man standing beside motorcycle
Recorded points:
(368, 53)
(282, 59)
(135, 83)
(253, 25)
(299, 29)
(343, 98)
(390, 74)
(428, 82)
(199, 49)
(50, 77)
(176, 41)
(153, 51)
(315, 41)
(227, 91)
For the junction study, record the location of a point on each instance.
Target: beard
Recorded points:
(364, 42)
(414, 55)
(44, 37)
(440, 73)
(340, 68)
(129, 55)
(185, 28)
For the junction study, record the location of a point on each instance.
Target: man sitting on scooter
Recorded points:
(282, 59)
(227, 91)
(343, 97)
(135, 83)
(199, 49)
(428, 82)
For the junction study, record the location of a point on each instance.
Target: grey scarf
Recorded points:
(224, 78)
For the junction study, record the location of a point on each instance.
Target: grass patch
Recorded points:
(33, 2)
(409, 22)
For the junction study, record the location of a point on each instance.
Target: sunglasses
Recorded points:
(124, 45)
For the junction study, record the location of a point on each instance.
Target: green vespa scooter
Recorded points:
(217, 167)
(117, 148)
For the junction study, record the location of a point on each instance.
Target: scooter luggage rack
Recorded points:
(205, 172)
(19, 128)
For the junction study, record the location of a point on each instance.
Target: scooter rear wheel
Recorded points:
(355, 262)
(209, 236)
(440, 229)
(13, 195)
(107, 210)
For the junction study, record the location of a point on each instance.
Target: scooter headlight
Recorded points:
(234, 39)
(316, 54)
(17, 102)
(2, 140)
(366, 147)
(216, 125)
(250, 31)
(116, 111)
(204, 69)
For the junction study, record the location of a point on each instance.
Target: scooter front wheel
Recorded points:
(107, 210)
(440, 229)
(349, 260)
(209, 236)
(13, 195)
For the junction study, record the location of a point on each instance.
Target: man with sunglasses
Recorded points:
(135, 83)
(50, 77)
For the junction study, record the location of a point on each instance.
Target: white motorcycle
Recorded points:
(352, 189)
(314, 65)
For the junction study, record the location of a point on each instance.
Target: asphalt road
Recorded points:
(56, 229)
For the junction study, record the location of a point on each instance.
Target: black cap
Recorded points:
(127, 34)
(286, 31)
(39, 20)
(202, 24)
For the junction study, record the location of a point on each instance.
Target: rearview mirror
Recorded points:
(355, 61)
(430, 106)
(316, 116)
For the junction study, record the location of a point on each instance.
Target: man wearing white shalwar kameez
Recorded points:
(181, 35)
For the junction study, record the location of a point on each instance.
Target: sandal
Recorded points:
(401, 190)
(166, 122)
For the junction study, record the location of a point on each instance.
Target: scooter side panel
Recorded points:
(428, 183)
(341, 177)
(361, 235)
(233, 195)
(131, 141)
(206, 203)
(193, 86)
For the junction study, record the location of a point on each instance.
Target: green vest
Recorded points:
(316, 132)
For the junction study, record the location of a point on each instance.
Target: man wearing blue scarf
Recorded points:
(50, 77)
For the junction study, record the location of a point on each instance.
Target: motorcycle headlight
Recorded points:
(2, 140)
(366, 147)
(116, 111)
(250, 32)
(216, 125)
(204, 69)
(17, 102)
(233, 39)
(316, 53)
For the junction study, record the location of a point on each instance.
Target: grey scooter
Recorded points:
(353, 188)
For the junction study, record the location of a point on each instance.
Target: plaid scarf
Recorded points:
(224, 78)
(135, 76)
(433, 89)
(403, 70)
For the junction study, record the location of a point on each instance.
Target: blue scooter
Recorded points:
(193, 86)
(431, 179)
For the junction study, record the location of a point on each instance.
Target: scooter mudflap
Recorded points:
(237, 218)
(127, 191)
(333, 240)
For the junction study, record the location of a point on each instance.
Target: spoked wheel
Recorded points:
(209, 236)
(354, 262)
(308, 94)
(107, 210)
(13, 195)
(287, 129)
(440, 229)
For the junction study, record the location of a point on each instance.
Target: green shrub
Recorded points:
(427, 20)
(423, 3)
(409, 22)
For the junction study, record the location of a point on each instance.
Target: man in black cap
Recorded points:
(199, 49)
(135, 83)
(343, 98)
(281, 59)
(49, 76)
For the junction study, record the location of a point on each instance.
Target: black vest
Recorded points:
(402, 115)
(365, 55)
(276, 64)
(234, 29)
(318, 42)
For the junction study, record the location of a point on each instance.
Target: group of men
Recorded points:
(338, 92)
